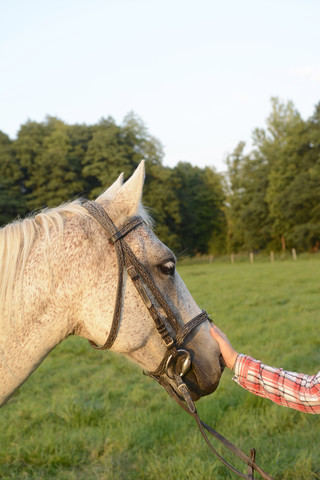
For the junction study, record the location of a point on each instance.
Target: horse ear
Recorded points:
(128, 199)
(111, 192)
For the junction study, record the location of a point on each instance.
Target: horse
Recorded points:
(59, 277)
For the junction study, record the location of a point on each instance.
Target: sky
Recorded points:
(200, 74)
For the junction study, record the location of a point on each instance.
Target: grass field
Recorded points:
(91, 415)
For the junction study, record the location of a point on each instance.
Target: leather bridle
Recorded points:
(154, 299)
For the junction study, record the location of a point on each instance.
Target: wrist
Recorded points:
(234, 361)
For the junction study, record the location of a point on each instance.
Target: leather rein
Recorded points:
(144, 283)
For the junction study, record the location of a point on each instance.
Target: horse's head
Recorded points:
(137, 336)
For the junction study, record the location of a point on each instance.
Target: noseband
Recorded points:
(151, 294)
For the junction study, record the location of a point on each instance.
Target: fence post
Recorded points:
(232, 258)
(294, 254)
(251, 257)
(272, 256)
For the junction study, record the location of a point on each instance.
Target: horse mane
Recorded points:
(17, 239)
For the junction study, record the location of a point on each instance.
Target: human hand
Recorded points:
(227, 351)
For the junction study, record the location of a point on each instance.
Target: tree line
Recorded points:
(51, 162)
(274, 190)
(269, 198)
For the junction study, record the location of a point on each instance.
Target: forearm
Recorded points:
(294, 390)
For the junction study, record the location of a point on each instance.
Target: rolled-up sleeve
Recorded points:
(290, 389)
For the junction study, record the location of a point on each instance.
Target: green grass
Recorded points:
(92, 415)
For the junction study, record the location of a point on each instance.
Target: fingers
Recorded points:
(227, 351)
(217, 334)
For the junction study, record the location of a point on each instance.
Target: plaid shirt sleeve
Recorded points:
(294, 390)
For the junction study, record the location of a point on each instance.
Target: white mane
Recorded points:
(17, 239)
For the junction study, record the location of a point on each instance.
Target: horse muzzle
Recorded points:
(186, 367)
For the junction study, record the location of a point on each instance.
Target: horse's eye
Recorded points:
(168, 268)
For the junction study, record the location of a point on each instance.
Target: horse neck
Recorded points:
(36, 323)
(22, 351)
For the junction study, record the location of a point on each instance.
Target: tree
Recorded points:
(52, 172)
(27, 147)
(201, 200)
(118, 148)
(140, 144)
(283, 149)
(105, 156)
(275, 190)
(235, 186)
(211, 217)
(12, 200)
(305, 189)
(160, 197)
(80, 136)
(248, 213)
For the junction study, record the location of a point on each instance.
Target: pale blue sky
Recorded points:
(200, 74)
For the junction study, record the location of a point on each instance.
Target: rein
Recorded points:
(144, 284)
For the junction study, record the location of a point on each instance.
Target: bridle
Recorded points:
(154, 299)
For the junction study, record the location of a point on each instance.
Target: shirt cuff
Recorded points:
(241, 367)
